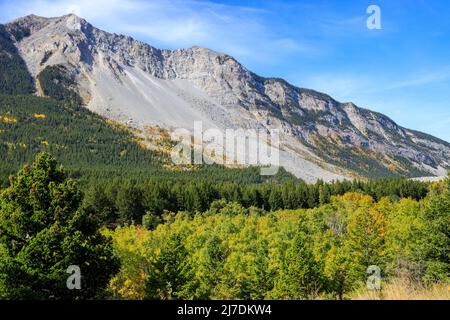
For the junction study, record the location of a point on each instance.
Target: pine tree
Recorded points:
(300, 276)
(275, 200)
(43, 231)
(129, 204)
(171, 276)
(96, 200)
(324, 194)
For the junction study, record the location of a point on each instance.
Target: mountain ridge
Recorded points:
(132, 82)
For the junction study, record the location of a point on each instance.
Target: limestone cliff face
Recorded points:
(133, 82)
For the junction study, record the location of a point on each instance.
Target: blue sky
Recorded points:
(402, 70)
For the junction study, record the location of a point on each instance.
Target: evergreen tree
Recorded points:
(103, 207)
(300, 276)
(324, 194)
(129, 204)
(43, 231)
(170, 275)
(275, 200)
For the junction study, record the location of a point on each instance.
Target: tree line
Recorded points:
(122, 201)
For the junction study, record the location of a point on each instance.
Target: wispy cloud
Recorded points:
(340, 85)
(419, 80)
(92, 9)
(234, 29)
(341, 27)
(344, 86)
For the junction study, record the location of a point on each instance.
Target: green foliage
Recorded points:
(56, 82)
(43, 231)
(101, 205)
(406, 223)
(129, 207)
(81, 140)
(230, 252)
(92, 149)
(151, 221)
(128, 200)
(208, 232)
(436, 244)
(14, 75)
(348, 238)
(301, 276)
(170, 274)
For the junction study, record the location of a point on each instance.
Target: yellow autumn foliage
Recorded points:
(6, 119)
(236, 253)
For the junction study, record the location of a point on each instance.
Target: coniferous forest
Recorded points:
(273, 240)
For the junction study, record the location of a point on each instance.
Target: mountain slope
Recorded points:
(136, 84)
(92, 148)
(79, 138)
(14, 78)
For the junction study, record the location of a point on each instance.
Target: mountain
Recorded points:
(141, 86)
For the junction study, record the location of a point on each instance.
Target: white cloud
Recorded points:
(86, 8)
(345, 86)
(421, 79)
(341, 86)
(236, 30)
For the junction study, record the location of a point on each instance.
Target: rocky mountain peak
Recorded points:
(28, 25)
(24, 27)
(39, 21)
(132, 82)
